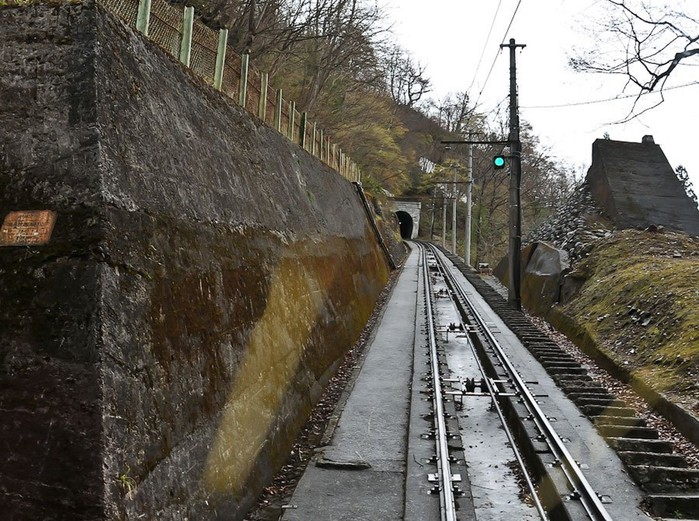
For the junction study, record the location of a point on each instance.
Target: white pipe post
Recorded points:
(262, 106)
(243, 86)
(469, 202)
(143, 16)
(220, 58)
(186, 44)
(453, 214)
(278, 110)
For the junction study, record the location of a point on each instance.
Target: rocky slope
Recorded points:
(635, 296)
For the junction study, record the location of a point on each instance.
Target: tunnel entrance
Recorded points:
(406, 224)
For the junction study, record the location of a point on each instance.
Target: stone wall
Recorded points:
(204, 277)
(50, 381)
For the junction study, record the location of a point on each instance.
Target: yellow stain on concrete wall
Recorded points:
(272, 359)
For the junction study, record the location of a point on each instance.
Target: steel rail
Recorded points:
(588, 497)
(501, 415)
(447, 507)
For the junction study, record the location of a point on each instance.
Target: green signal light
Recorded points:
(499, 162)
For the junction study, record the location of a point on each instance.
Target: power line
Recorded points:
(511, 20)
(485, 46)
(606, 100)
(492, 66)
(497, 107)
(487, 115)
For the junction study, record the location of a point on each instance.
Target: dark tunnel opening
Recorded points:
(406, 224)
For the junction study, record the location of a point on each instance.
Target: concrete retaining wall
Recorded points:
(204, 276)
(637, 187)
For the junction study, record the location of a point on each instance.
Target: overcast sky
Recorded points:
(448, 37)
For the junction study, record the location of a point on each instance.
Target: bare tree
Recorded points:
(266, 29)
(455, 113)
(338, 42)
(546, 181)
(318, 38)
(650, 42)
(405, 79)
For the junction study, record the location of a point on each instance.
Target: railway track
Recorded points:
(496, 387)
(457, 403)
(671, 487)
(444, 476)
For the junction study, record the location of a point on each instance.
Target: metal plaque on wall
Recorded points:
(27, 228)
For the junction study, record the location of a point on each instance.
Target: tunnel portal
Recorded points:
(408, 213)
(406, 224)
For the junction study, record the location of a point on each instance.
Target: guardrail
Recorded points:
(206, 53)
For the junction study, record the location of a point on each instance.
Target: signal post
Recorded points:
(515, 145)
(514, 296)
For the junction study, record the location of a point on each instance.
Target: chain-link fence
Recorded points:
(165, 25)
(127, 11)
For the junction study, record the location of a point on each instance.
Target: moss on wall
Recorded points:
(160, 353)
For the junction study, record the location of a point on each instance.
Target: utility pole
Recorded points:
(469, 184)
(453, 213)
(434, 202)
(513, 295)
(444, 220)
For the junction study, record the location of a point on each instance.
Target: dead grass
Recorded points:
(640, 301)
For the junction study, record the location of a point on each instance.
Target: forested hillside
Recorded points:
(337, 59)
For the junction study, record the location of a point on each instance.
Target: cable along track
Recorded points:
(490, 352)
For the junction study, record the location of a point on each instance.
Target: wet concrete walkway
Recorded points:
(378, 452)
(361, 474)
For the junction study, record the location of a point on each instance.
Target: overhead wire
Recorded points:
(511, 21)
(495, 109)
(606, 100)
(492, 66)
(485, 45)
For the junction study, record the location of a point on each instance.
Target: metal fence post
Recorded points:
(292, 119)
(320, 145)
(321, 155)
(302, 130)
(220, 58)
(186, 45)
(262, 106)
(143, 16)
(243, 87)
(278, 110)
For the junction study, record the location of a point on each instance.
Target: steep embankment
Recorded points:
(205, 275)
(639, 303)
(631, 297)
